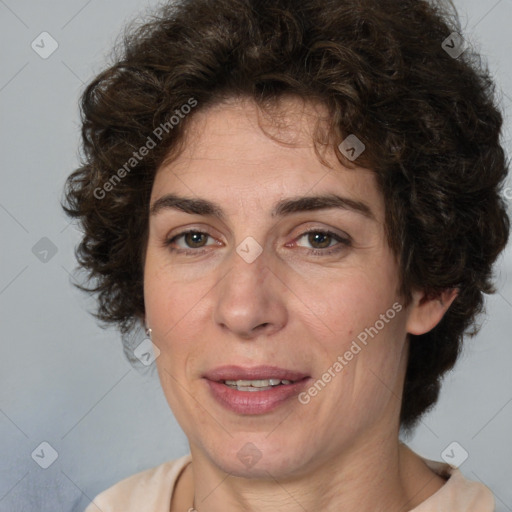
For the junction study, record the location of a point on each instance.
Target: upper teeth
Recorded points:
(257, 383)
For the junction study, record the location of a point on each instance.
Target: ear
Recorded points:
(426, 312)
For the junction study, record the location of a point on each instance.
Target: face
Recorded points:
(269, 286)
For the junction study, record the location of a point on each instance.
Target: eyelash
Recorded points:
(342, 243)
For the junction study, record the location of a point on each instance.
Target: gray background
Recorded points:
(64, 380)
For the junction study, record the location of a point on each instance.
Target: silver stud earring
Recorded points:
(148, 332)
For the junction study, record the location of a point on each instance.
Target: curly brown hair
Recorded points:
(428, 118)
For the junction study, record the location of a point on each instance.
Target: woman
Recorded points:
(301, 203)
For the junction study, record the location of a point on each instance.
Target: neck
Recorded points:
(377, 475)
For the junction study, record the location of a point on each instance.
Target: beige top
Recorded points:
(151, 491)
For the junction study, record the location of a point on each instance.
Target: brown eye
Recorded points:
(319, 239)
(324, 243)
(188, 240)
(195, 239)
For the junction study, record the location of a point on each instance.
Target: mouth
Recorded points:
(255, 390)
(258, 377)
(256, 385)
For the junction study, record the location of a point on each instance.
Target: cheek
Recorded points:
(168, 300)
(169, 309)
(176, 311)
(341, 309)
(360, 319)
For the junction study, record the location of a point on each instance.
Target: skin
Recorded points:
(287, 308)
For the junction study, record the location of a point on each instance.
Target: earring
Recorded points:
(148, 332)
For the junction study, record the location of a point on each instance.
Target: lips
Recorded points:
(231, 373)
(243, 399)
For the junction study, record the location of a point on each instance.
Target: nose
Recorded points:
(250, 298)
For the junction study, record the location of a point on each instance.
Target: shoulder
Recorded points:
(148, 490)
(458, 493)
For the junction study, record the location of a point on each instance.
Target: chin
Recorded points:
(259, 456)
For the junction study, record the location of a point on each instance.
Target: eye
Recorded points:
(192, 239)
(322, 242)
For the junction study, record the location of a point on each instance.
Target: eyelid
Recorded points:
(204, 229)
(343, 241)
(332, 234)
(172, 238)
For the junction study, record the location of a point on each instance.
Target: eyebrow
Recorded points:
(197, 206)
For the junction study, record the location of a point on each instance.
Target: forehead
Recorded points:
(237, 155)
